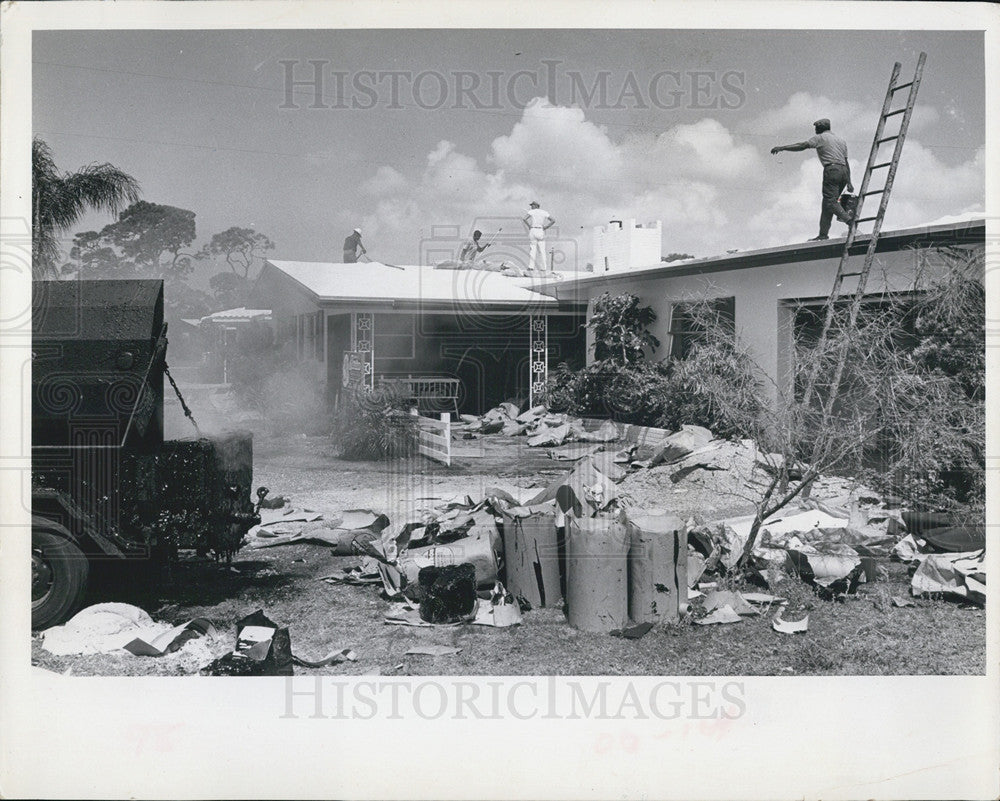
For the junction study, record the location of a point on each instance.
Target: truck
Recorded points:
(105, 483)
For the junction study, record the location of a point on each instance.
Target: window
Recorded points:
(394, 336)
(686, 326)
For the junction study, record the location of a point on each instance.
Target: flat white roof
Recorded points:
(374, 281)
(240, 313)
(969, 227)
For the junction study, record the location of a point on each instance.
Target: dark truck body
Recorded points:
(105, 484)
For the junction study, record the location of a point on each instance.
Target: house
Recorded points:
(468, 339)
(201, 348)
(219, 335)
(773, 292)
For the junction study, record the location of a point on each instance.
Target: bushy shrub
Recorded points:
(626, 393)
(932, 398)
(715, 386)
(621, 329)
(374, 425)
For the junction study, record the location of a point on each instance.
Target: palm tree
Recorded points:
(60, 199)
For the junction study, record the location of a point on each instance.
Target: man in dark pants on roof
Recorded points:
(351, 247)
(832, 152)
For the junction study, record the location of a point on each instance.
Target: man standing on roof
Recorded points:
(470, 249)
(832, 152)
(351, 247)
(537, 221)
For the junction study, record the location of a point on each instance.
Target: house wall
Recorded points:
(764, 296)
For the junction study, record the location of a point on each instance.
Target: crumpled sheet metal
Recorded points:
(827, 566)
(782, 626)
(960, 574)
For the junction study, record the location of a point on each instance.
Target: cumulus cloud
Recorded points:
(558, 141)
(385, 181)
(853, 120)
(702, 150)
(711, 189)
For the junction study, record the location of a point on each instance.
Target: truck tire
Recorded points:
(58, 578)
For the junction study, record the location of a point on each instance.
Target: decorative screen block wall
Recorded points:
(538, 328)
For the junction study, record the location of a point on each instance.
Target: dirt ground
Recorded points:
(865, 635)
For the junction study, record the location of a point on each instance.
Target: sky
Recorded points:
(417, 136)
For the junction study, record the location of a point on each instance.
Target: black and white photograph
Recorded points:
(462, 368)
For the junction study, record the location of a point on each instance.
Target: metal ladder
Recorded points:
(862, 275)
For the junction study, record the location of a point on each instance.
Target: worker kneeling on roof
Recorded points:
(832, 152)
(470, 249)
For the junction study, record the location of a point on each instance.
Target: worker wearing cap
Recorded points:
(351, 247)
(537, 222)
(832, 152)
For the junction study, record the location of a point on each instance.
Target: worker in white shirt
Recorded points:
(537, 220)
(471, 249)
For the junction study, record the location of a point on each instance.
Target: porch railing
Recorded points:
(431, 393)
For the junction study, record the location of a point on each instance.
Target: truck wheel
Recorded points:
(58, 578)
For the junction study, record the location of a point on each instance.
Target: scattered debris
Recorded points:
(725, 614)
(572, 453)
(782, 626)
(717, 599)
(448, 594)
(633, 632)
(107, 627)
(944, 532)
(432, 650)
(262, 649)
(834, 563)
(407, 613)
(340, 531)
(365, 573)
(762, 598)
(333, 658)
(960, 574)
(501, 612)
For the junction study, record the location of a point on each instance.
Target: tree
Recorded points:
(230, 290)
(147, 240)
(95, 257)
(153, 237)
(621, 328)
(676, 257)
(180, 299)
(242, 248)
(919, 411)
(59, 200)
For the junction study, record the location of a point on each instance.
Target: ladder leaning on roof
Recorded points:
(862, 275)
